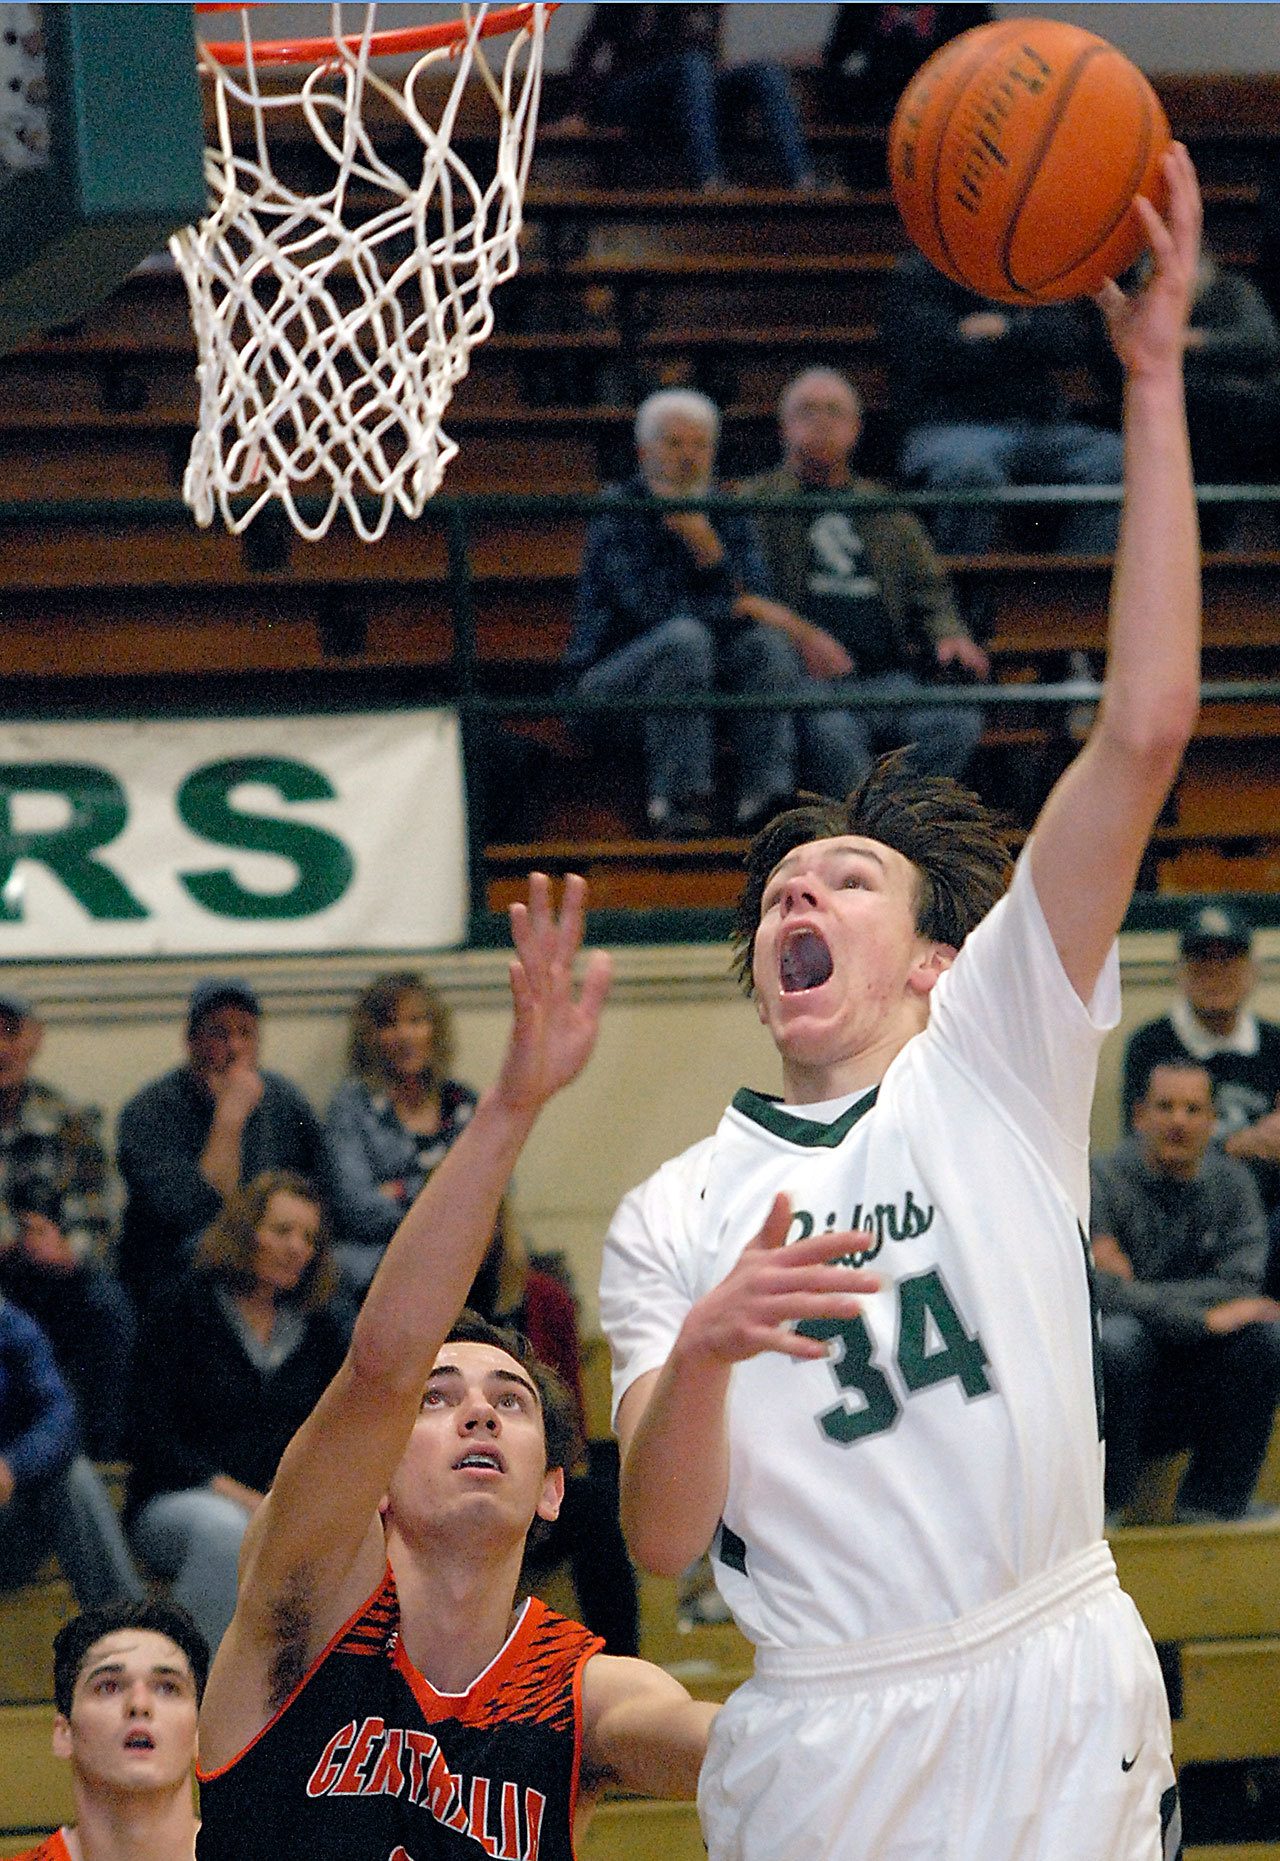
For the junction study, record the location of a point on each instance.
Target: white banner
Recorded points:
(224, 835)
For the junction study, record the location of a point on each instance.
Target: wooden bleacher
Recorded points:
(628, 282)
(1209, 1595)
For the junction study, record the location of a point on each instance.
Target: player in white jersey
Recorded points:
(853, 1334)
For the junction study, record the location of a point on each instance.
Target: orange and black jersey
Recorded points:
(367, 1762)
(52, 1848)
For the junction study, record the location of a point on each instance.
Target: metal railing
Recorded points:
(457, 515)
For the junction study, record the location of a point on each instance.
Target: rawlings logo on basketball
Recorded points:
(1015, 154)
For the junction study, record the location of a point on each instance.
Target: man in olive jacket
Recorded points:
(863, 598)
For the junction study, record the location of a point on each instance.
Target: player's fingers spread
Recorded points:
(521, 993)
(597, 981)
(1158, 234)
(1110, 299)
(529, 922)
(776, 1225)
(834, 1245)
(541, 919)
(834, 1305)
(1186, 209)
(796, 1344)
(572, 912)
(828, 1280)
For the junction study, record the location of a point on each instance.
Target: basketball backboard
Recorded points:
(101, 152)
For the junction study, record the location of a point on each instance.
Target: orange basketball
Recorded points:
(1015, 154)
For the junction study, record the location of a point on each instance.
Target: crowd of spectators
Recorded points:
(980, 397)
(1186, 1234)
(184, 1307)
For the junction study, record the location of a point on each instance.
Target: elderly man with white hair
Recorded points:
(671, 602)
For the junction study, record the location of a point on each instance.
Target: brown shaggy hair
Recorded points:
(559, 1410)
(376, 1007)
(76, 1639)
(227, 1245)
(957, 844)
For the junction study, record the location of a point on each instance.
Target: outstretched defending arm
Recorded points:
(315, 1548)
(1094, 828)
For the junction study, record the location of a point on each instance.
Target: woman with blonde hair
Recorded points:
(231, 1360)
(393, 1118)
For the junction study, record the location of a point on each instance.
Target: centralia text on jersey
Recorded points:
(376, 1759)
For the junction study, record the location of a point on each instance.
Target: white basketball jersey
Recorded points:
(948, 1448)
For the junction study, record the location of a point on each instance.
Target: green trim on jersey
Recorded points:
(772, 1116)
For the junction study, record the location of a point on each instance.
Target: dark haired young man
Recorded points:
(378, 1696)
(127, 1681)
(853, 1332)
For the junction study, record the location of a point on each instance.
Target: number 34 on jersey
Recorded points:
(933, 1346)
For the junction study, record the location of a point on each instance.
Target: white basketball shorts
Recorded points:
(1035, 1729)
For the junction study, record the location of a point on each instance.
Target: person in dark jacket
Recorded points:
(231, 1361)
(672, 603)
(873, 52)
(1210, 1023)
(1233, 391)
(977, 389)
(1190, 1343)
(189, 1139)
(51, 1498)
(656, 71)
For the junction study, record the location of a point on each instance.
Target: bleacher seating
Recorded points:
(627, 283)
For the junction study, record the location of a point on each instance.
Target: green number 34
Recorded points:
(922, 1360)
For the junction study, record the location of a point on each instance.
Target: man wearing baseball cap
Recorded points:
(191, 1137)
(1210, 1024)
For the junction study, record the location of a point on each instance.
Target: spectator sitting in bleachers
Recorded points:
(1210, 1024)
(521, 1294)
(232, 1358)
(51, 1498)
(655, 71)
(1232, 372)
(127, 1684)
(1190, 1344)
(187, 1140)
(873, 52)
(58, 1208)
(669, 605)
(865, 601)
(395, 1115)
(974, 387)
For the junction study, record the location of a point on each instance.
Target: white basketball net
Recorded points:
(331, 333)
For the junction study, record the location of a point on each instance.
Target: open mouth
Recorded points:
(139, 1741)
(483, 1460)
(804, 961)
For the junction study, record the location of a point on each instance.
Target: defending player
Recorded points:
(376, 1698)
(127, 1680)
(904, 1484)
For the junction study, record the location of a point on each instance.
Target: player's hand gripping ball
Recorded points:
(1015, 154)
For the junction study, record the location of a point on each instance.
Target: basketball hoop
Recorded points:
(333, 326)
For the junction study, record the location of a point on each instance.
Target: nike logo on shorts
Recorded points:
(1127, 1764)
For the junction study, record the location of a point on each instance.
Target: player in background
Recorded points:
(378, 1695)
(853, 1332)
(127, 1681)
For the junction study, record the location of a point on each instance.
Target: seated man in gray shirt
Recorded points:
(1190, 1345)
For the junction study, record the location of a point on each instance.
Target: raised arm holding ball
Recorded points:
(853, 1331)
